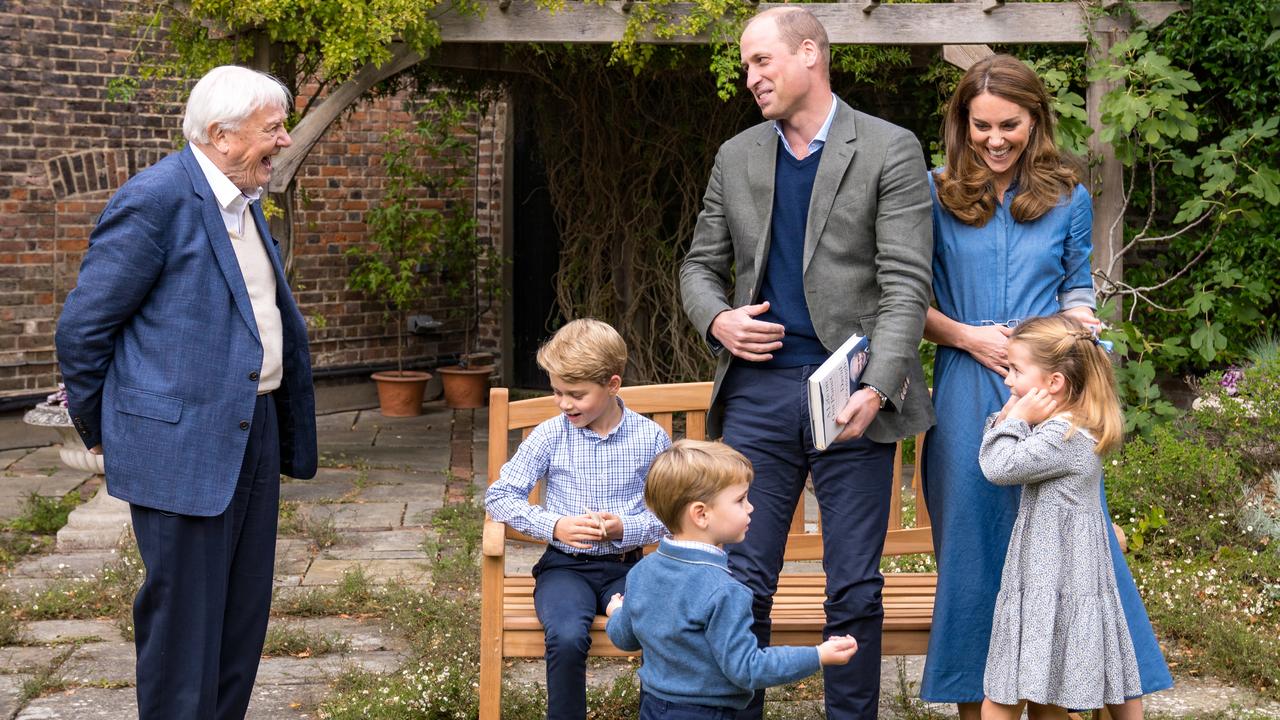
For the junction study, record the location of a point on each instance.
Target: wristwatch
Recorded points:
(884, 399)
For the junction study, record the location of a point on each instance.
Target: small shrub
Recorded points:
(1176, 478)
(45, 515)
(354, 594)
(108, 594)
(293, 523)
(293, 640)
(15, 545)
(1224, 611)
(1243, 414)
(10, 626)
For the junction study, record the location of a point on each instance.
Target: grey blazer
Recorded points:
(868, 253)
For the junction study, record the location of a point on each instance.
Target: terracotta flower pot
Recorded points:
(400, 393)
(465, 387)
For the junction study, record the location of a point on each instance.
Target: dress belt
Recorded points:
(1011, 323)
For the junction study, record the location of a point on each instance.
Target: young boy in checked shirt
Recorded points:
(595, 457)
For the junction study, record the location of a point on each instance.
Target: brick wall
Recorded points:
(65, 146)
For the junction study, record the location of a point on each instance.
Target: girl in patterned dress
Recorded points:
(1059, 637)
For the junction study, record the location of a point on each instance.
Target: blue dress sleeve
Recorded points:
(1076, 289)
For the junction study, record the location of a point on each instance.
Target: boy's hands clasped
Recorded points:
(580, 531)
(837, 650)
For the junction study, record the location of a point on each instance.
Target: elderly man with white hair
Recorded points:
(186, 364)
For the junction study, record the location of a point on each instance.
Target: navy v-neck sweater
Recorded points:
(783, 284)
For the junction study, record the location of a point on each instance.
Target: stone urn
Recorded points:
(73, 452)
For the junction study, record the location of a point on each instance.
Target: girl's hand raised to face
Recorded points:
(1008, 405)
(1034, 407)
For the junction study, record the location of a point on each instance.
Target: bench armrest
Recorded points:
(494, 541)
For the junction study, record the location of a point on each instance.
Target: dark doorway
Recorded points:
(535, 255)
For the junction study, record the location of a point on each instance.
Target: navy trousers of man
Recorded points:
(568, 592)
(766, 418)
(201, 615)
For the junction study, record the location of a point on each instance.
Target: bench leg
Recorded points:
(491, 576)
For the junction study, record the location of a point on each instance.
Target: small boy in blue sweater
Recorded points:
(684, 609)
(594, 457)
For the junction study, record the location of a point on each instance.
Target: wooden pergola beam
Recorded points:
(940, 23)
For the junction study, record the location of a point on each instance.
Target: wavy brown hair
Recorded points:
(966, 186)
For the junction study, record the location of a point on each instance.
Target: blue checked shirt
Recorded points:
(583, 470)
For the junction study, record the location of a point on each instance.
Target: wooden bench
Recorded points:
(509, 626)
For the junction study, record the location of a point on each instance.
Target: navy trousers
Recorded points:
(654, 708)
(767, 419)
(201, 615)
(568, 592)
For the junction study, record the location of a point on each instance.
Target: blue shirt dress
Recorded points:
(1001, 272)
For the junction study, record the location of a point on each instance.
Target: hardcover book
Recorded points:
(831, 385)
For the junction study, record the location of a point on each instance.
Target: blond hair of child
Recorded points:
(1060, 344)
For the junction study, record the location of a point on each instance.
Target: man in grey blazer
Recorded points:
(819, 220)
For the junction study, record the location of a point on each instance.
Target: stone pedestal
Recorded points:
(101, 522)
(97, 524)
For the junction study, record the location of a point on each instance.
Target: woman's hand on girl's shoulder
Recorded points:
(1035, 407)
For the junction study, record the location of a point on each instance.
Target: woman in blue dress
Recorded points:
(1012, 239)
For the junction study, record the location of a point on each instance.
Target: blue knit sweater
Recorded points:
(693, 621)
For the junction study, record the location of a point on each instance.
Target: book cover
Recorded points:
(831, 385)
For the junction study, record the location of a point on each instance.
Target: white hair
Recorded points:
(227, 96)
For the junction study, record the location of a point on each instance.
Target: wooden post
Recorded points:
(1106, 173)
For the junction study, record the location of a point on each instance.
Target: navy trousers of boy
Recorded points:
(568, 592)
(655, 708)
(766, 418)
(201, 615)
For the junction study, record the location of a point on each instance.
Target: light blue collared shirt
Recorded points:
(818, 140)
(583, 470)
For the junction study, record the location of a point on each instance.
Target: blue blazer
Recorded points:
(159, 348)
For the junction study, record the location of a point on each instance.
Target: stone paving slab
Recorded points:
(27, 586)
(427, 487)
(356, 516)
(273, 702)
(11, 693)
(9, 457)
(363, 635)
(388, 545)
(329, 489)
(1189, 697)
(293, 556)
(416, 456)
(27, 659)
(16, 486)
(323, 669)
(418, 514)
(100, 663)
(327, 571)
(410, 437)
(84, 704)
(60, 631)
(371, 476)
(64, 565)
